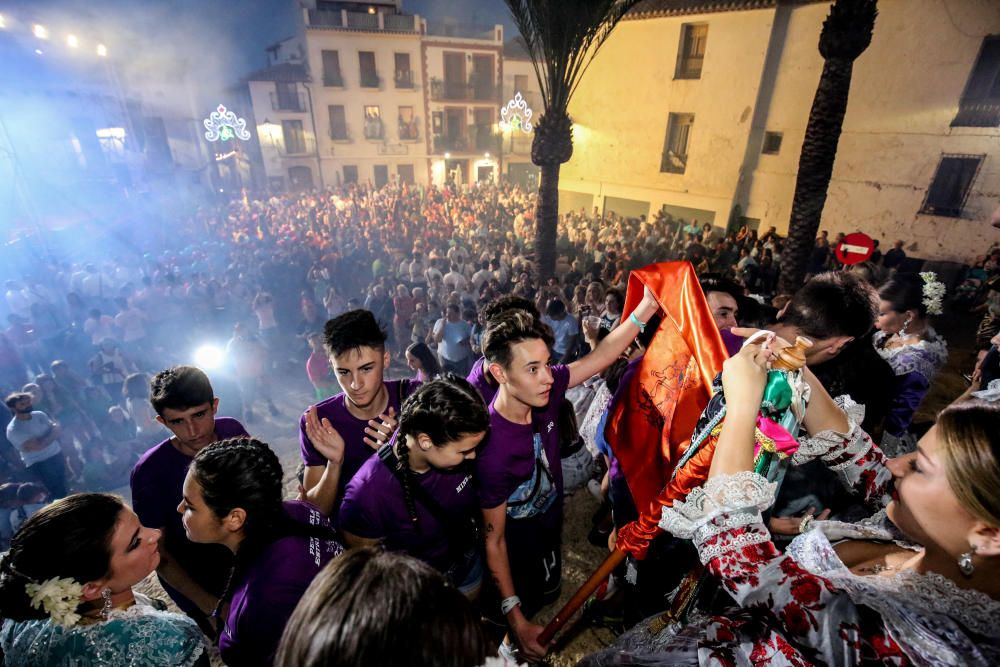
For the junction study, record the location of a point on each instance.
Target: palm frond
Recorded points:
(562, 38)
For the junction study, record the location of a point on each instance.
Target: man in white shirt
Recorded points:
(36, 439)
(453, 338)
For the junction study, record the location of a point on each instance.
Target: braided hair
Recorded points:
(243, 472)
(445, 410)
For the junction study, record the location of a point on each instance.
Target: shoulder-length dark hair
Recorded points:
(372, 607)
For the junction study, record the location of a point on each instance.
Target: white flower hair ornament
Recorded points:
(933, 292)
(59, 597)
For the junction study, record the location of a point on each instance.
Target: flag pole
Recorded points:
(599, 576)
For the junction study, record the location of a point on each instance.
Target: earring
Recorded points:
(906, 325)
(965, 561)
(106, 609)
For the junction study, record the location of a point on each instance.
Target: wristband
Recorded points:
(508, 604)
(635, 320)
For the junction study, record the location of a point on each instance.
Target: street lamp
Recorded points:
(40, 31)
(72, 42)
(102, 50)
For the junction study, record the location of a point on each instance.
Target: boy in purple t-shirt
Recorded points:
(338, 435)
(480, 377)
(194, 575)
(520, 473)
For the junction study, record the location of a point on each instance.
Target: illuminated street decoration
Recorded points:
(223, 125)
(516, 115)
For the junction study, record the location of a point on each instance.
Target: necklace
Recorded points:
(876, 568)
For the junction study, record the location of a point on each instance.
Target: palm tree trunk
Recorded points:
(547, 220)
(819, 150)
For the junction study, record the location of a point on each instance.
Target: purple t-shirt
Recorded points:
(157, 487)
(374, 508)
(351, 429)
(477, 378)
(272, 585)
(508, 457)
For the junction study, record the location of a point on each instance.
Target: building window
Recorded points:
(403, 74)
(980, 103)
(350, 173)
(373, 122)
(951, 185)
(369, 76)
(294, 137)
(772, 143)
(691, 53)
(675, 148)
(408, 129)
(331, 69)
(521, 84)
(381, 175)
(286, 97)
(338, 122)
(405, 172)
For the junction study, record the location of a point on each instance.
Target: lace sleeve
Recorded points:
(722, 516)
(851, 456)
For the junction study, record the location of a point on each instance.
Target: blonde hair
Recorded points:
(969, 434)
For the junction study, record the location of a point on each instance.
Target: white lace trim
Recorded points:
(736, 543)
(914, 593)
(824, 442)
(724, 524)
(991, 393)
(723, 494)
(925, 357)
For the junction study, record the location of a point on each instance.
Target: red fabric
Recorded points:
(650, 427)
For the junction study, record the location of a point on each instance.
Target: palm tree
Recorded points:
(562, 38)
(846, 34)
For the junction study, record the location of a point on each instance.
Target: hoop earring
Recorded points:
(965, 564)
(106, 609)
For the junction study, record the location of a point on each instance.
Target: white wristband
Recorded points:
(508, 604)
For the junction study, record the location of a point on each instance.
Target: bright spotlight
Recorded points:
(102, 50)
(38, 51)
(40, 31)
(3, 22)
(72, 42)
(209, 357)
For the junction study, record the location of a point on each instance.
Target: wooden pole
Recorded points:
(586, 590)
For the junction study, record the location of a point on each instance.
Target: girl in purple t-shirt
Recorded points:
(418, 494)
(233, 497)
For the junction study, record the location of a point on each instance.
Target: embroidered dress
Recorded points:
(139, 636)
(914, 367)
(805, 607)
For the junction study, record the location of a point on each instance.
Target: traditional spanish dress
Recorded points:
(805, 607)
(914, 366)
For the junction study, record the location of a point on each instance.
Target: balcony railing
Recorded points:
(304, 146)
(977, 114)
(370, 80)
(448, 90)
(294, 102)
(339, 134)
(474, 141)
(399, 22)
(326, 18)
(333, 80)
(409, 131)
(374, 130)
(404, 79)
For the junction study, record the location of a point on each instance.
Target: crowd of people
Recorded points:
(459, 404)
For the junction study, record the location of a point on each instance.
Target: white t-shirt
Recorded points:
(563, 330)
(451, 346)
(19, 431)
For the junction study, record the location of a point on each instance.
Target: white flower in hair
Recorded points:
(59, 597)
(933, 292)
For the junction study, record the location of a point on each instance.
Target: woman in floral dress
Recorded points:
(842, 594)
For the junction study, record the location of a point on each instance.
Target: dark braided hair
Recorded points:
(243, 472)
(445, 410)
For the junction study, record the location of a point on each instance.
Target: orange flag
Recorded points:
(650, 426)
